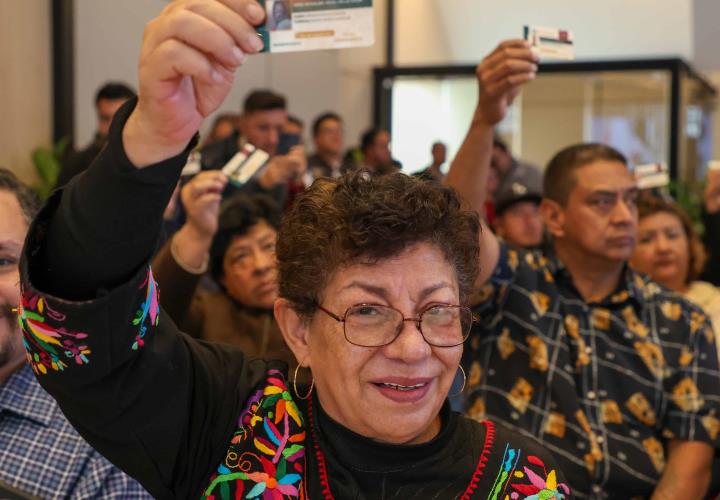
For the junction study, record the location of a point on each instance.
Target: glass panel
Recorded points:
(628, 110)
(426, 110)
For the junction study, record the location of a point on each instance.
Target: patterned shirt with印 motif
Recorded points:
(603, 385)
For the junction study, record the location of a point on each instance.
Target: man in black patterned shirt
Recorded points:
(614, 374)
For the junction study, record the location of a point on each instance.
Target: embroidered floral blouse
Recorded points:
(191, 419)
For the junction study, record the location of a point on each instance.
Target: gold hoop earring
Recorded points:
(312, 384)
(462, 370)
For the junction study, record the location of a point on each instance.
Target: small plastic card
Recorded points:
(550, 43)
(245, 164)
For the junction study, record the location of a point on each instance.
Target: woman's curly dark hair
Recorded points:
(359, 218)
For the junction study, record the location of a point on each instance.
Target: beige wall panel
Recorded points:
(25, 83)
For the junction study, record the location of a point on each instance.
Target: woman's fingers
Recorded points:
(210, 27)
(239, 26)
(173, 58)
(200, 34)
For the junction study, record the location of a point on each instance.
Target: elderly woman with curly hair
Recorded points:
(373, 275)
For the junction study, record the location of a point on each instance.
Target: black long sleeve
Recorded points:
(112, 213)
(154, 401)
(712, 244)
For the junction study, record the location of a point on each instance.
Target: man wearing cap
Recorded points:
(517, 213)
(511, 169)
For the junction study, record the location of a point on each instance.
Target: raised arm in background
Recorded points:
(182, 261)
(500, 77)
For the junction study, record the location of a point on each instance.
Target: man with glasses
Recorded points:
(614, 374)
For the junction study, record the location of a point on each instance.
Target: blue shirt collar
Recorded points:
(22, 394)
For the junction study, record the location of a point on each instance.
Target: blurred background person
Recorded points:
(670, 251)
(438, 151)
(41, 455)
(327, 159)
(224, 126)
(237, 244)
(261, 124)
(108, 100)
(511, 169)
(293, 133)
(517, 214)
(376, 155)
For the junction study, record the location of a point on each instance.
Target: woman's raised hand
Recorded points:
(187, 63)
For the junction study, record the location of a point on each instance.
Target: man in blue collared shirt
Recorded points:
(41, 455)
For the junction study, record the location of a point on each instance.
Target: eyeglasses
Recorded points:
(372, 325)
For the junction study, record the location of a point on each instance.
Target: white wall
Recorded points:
(462, 31)
(25, 83)
(107, 45)
(706, 31)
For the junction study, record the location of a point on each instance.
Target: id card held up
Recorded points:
(295, 25)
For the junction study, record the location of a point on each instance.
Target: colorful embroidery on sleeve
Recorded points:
(149, 309)
(47, 346)
(512, 481)
(265, 459)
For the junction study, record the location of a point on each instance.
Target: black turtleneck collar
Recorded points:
(368, 455)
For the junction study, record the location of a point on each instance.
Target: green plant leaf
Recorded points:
(48, 166)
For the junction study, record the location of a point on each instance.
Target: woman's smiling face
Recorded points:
(392, 393)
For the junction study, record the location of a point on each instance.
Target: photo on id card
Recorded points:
(296, 25)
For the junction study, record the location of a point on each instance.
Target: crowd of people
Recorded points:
(302, 334)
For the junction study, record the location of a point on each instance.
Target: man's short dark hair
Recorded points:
(368, 138)
(26, 197)
(559, 178)
(323, 117)
(237, 216)
(113, 91)
(263, 100)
